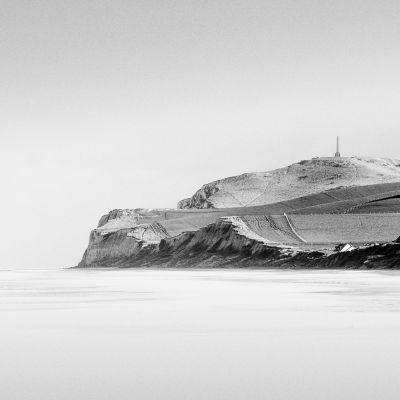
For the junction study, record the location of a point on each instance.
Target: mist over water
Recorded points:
(199, 334)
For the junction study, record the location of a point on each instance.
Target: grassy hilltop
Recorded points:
(300, 179)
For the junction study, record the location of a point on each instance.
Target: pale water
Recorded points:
(199, 334)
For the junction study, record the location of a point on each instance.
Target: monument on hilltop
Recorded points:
(337, 154)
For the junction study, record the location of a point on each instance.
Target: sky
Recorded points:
(128, 103)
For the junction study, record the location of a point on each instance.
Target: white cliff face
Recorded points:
(300, 179)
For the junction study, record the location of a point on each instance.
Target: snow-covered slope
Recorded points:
(300, 179)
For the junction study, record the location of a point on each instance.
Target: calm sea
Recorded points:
(199, 334)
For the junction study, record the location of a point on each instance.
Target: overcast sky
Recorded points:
(127, 103)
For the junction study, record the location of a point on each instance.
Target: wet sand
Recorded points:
(199, 334)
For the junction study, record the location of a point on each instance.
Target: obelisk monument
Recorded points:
(337, 154)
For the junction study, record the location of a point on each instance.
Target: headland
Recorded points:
(332, 212)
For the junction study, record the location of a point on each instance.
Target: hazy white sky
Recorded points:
(124, 104)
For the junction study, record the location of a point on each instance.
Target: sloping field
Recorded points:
(274, 228)
(326, 229)
(319, 219)
(189, 223)
(378, 206)
(332, 201)
(147, 225)
(310, 230)
(339, 228)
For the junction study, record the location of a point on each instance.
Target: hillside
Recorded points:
(152, 225)
(299, 179)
